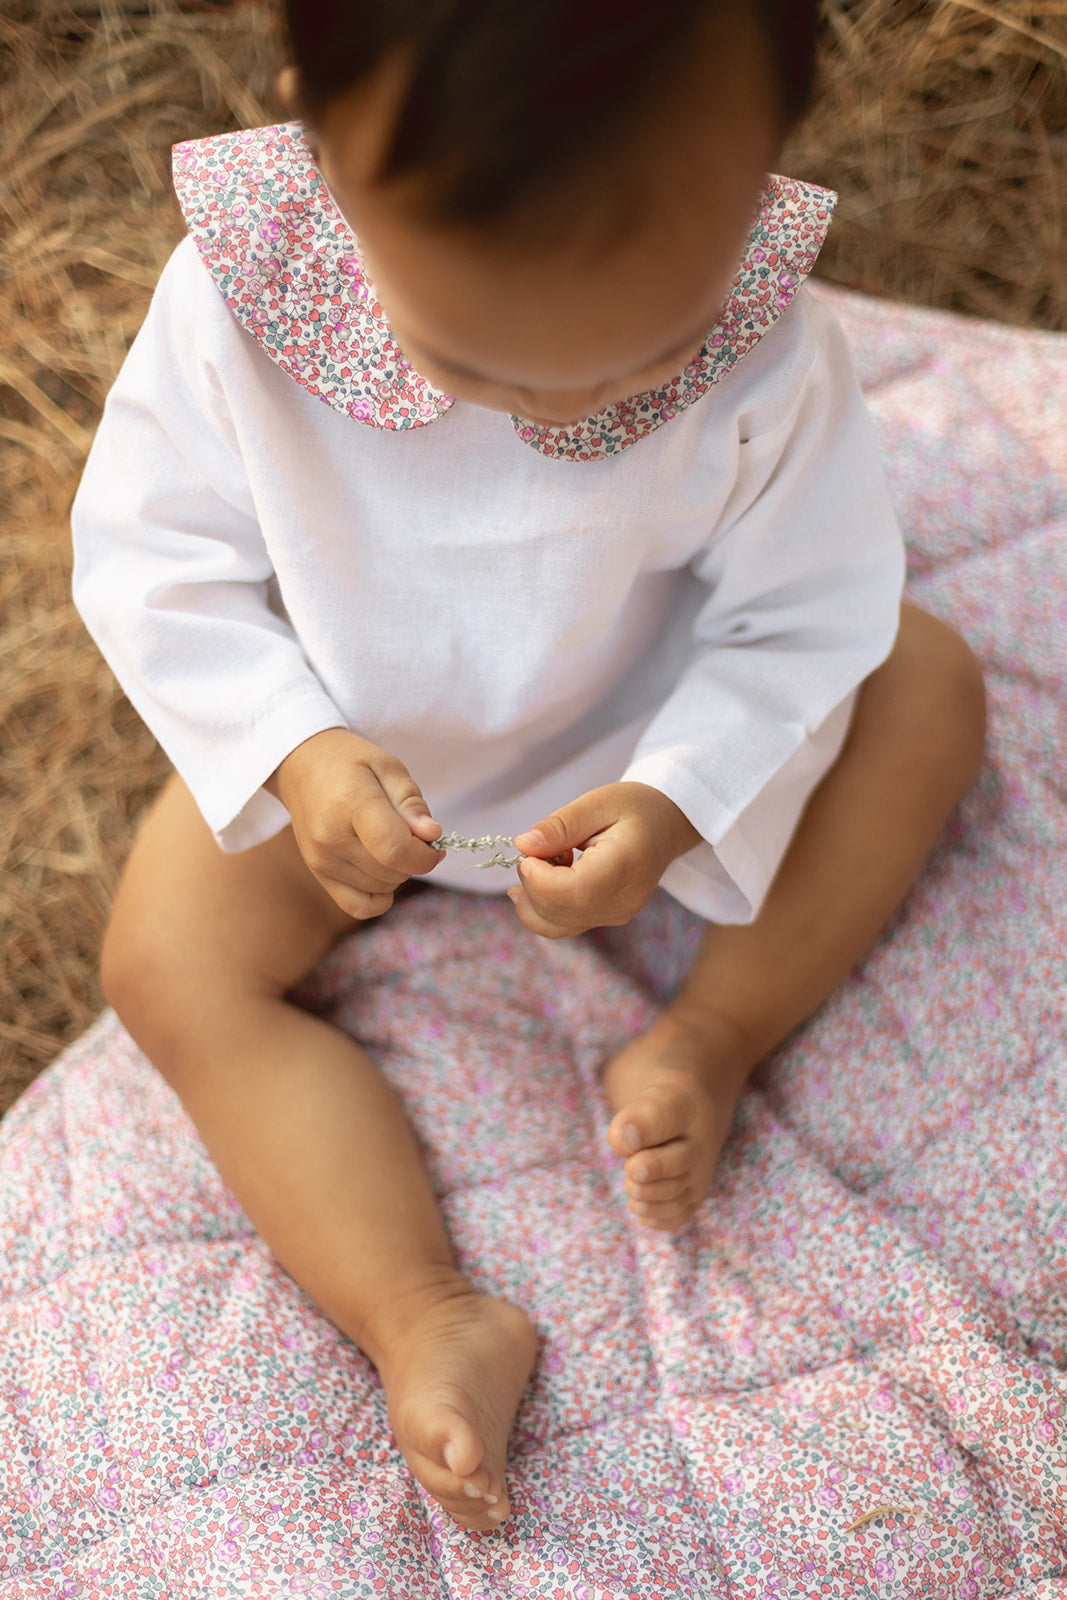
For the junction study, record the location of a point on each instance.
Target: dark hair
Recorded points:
(502, 92)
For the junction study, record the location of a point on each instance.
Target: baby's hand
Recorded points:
(359, 818)
(628, 834)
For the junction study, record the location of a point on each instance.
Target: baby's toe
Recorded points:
(472, 1514)
(670, 1160)
(478, 1502)
(665, 1215)
(661, 1189)
(663, 1112)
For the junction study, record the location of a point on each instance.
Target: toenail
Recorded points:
(490, 1499)
(496, 1516)
(630, 1137)
(471, 1492)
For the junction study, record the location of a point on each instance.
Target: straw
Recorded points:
(942, 127)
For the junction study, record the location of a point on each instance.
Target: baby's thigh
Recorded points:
(193, 925)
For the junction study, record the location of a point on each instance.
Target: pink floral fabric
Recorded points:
(846, 1378)
(289, 268)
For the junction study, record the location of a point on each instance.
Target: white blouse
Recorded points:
(257, 566)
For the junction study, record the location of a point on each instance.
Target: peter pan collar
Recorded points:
(288, 266)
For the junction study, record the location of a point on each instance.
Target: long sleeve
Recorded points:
(173, 580)
(804, 576)
(257, 566)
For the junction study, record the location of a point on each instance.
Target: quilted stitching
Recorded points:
(867, 1315)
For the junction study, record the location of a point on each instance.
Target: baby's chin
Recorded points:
(502, 408)
(556, 422)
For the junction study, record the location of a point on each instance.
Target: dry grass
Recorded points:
(91, 99)
(943, 127)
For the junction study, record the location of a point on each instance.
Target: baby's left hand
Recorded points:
(628, 834)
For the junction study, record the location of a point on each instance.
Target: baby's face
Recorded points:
(557, 328)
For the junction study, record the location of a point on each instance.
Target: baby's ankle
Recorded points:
(382, 1329)
(706, 1033)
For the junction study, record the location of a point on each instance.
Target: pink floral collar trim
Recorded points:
(288, 266)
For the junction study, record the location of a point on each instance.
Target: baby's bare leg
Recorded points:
(200, 953)
(915, 745)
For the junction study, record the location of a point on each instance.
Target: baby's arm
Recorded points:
(628, 834)
(802, 575)
(358, 816)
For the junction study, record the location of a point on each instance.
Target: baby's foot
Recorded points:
(673, 1091)
(454, 1378)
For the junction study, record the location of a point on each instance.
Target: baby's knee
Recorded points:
(168, 986)
(944, 689)
(128, 963)
(142, 982)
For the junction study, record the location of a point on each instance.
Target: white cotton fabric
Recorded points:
(694, 613)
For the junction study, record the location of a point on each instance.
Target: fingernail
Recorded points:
(533, 837)
(630, 1137)
(641, 1173)
(450, 1455)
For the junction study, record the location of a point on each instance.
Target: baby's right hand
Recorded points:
(359, 818)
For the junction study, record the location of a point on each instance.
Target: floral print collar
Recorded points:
(288, 266)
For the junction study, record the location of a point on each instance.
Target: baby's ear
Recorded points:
(287, 88)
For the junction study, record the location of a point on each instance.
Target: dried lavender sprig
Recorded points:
(455, 841)
(499, 860)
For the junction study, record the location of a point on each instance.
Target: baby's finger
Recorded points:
(344, 860)
(404, 794)
(385, 833)
(592, 881)
(546, 927)
(362, 904)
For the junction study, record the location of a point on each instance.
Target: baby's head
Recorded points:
(551, 198)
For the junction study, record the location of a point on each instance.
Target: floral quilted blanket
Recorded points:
(846, 1377)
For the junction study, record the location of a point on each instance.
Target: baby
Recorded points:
(482, 450)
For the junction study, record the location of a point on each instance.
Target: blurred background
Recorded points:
(942, 124)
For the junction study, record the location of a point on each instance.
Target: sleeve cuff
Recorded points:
(235, 806)
(725, 878)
